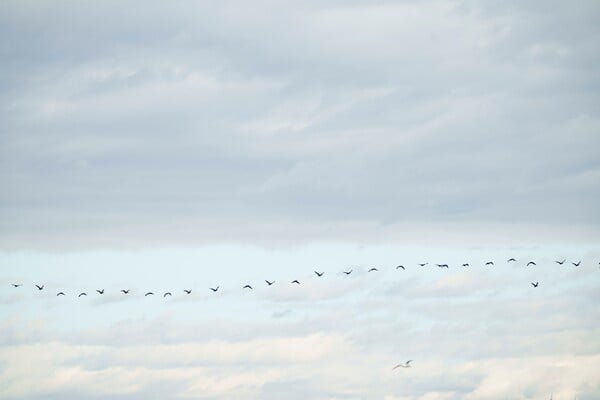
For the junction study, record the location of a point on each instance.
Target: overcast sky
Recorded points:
(191, 144)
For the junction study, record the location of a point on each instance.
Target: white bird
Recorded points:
(405, 365)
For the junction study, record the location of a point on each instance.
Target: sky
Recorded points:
(185, 145)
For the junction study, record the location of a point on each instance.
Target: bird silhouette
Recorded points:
(511, 260)
(442, 265)
(167, 294)
(247, 287)
(465, 264)
(577, 263)
(125, 291)
(100, 291)
(403, 365)
(400, 266)
(424, 264)
(214, 289)
(296, 281)
(373, 269)
(40, 287)
(149, 294)
(269, 283)
(535, 284)
(319, 274)
(347, 272)
(16, 284)
(187, 291)
(60, 294)
(560, 262)
(82, 294)
(531, 263)
(489, 263)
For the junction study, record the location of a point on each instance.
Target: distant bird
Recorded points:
(149, 294)
(125, 291)
(489, 263)
(560, 262)
(577, 263)
(16, 284)
(511, 260)
(465, 264)
(442, 265)
(319, 274)
(82, 294)
(535, 284)
(347, 272)
(247, 287)
(187, 291)
(400, 266)
(60, 294)
(214, 289)
(167, 294)
(404, 365)
(100, 291)
(531, 263)
(40, 287)
(373, 269)
(269, 283)
(296, 281)
(422, 265)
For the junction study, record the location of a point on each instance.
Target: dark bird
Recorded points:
(319, 274)
(296, 281)
(187, 291)
(404, 365)
(167, 294)
(82, 294)
(531, 263)
(16, 284)
(269, 283)
(149, 294)
(347, 272)
(125, 291)
(60, 294)
(214, 289)
(511, 260)
(422, 265)
(247, 287)
(373, 269)
(489, 263)
(577, 263)
(100, 291)
(40, 287)
(560, 262)
(535, 284)
(465, 264)
(401, 266)
(442, 265)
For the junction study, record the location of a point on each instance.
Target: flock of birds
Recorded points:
(297, 282)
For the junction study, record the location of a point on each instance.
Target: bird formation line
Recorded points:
(530, 263)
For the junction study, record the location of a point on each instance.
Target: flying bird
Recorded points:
(246, 287)
(560, 262)
(187, 291)
(296, 281)
(16, 284)
(404, 365)
(40, 287)
(442, 265)
(269, 283)
(100, 291)
(167, 294)
(422, 265)
(401, 266)
(319, 274)
(531, 263)
(577, 263)
(82, 294)
(535, 284)
(347, 272)
(60, 294)
(149, 294)
(373, 269)
(511, 260)
(214, 289)
(125, 291)
(465, 264)
(489, 263)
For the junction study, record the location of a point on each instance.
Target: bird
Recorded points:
(40, 287)
(373, 269)
(100, 291)
(535, 284)
(404, 365)
(577, 263)
(347, 272)
(187, 291)
(319, 274)
(442, 265)
(401, 267)
(82, 294)
(16, 284)
(125, 291)
(269, 283)
(246, 287)
(560, 262)
(214, 289)
(167, 294)
(149, 294)
(531, 263)
(296, 281)
(465, 264)
(489, 263)
(424, 264)
(511, 260)
(60, 294)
